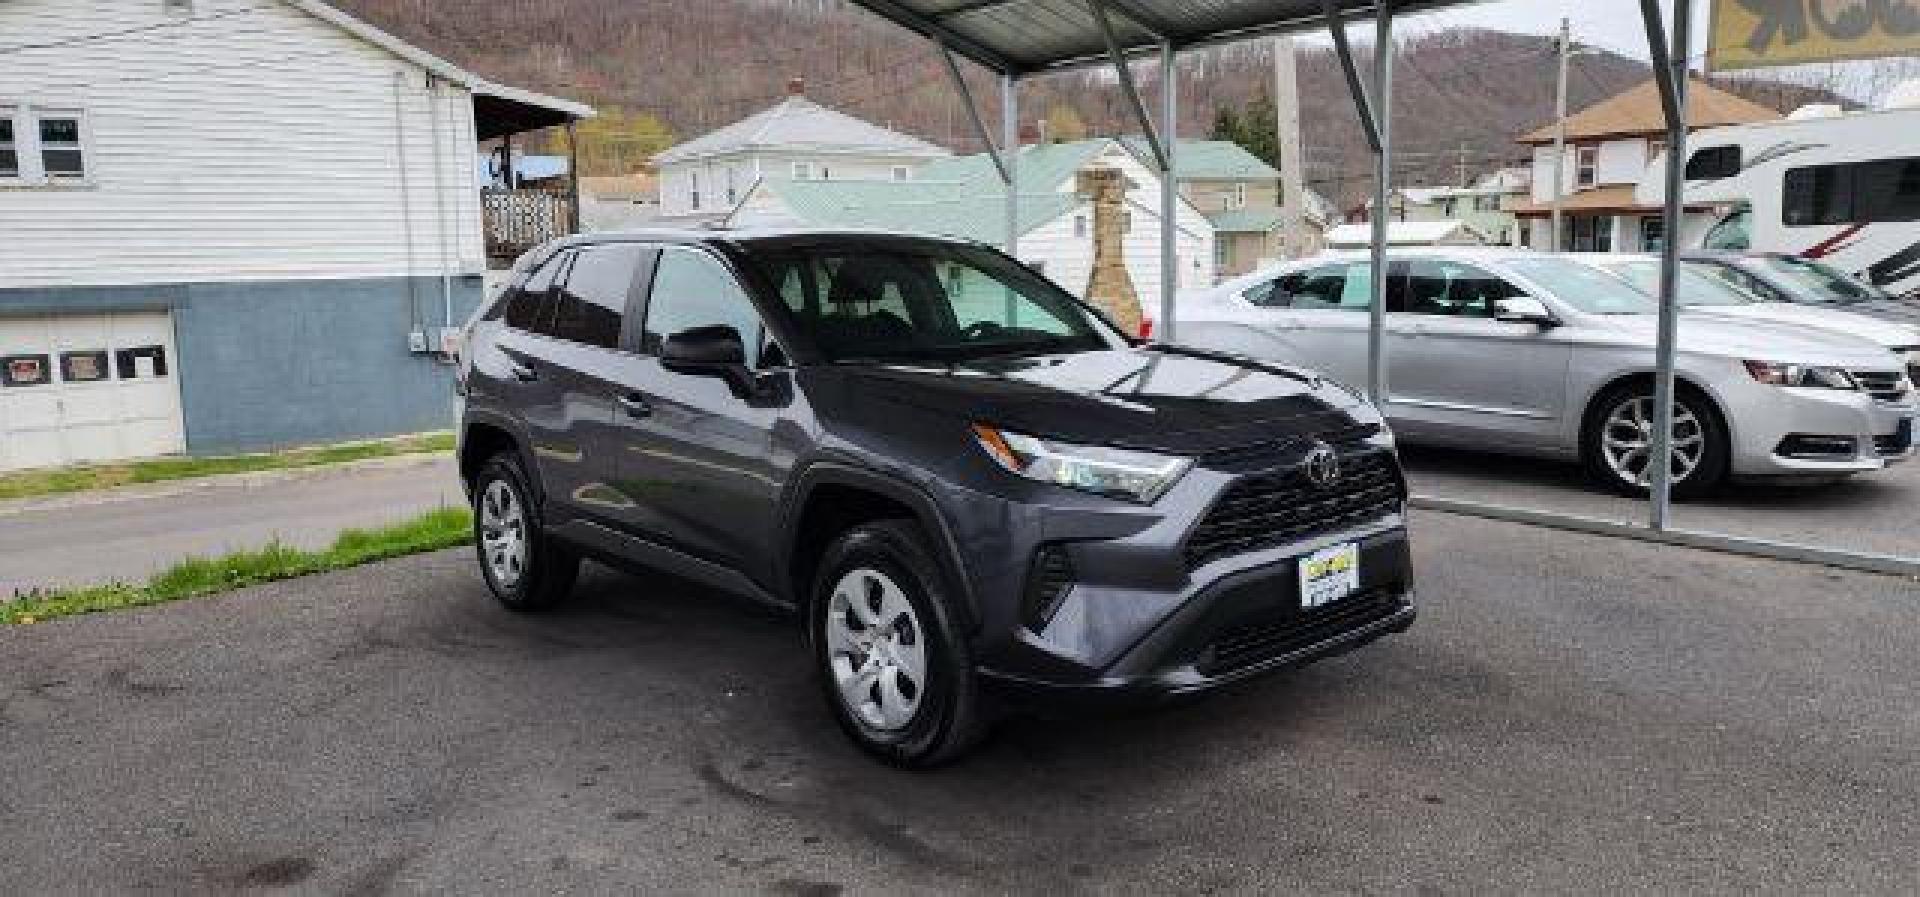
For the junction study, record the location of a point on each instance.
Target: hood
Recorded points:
(1761, 340)
(1159, 398)
(1875, 330)
(1906, 311)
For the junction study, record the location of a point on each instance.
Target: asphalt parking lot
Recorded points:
(1878, 512)
(1571, 713)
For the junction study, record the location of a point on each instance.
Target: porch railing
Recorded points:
(516, 220)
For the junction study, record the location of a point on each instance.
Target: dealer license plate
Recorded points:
(1328, 575)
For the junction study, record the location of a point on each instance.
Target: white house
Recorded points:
(1608, 147)
(1485, 207)
(796, 139)
(1405, 233)
(963, 197)
(231, 224)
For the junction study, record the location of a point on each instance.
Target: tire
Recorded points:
(1609, 426)
(914, 701)
(524, 568)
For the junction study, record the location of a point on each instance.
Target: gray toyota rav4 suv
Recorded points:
(971, 486)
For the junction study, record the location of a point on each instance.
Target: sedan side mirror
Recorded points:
(1523, 310)
(715, 350)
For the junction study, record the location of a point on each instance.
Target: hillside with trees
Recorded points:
(677, 68)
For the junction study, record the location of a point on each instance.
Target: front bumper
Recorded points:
(1769, 423)
(1239, 618)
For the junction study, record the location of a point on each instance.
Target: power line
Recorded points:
(128, 32)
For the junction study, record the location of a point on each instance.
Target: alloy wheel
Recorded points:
(1626, 441)
(503, 533)
(876, 650)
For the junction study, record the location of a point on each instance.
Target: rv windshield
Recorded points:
(1733, 233)
(1817, 282)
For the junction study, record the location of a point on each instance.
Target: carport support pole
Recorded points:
(1382, 109)
(1010, 140)
(1169, 191)
(1670, 71)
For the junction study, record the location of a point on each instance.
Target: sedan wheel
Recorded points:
(1627, 441)
(1618, 442)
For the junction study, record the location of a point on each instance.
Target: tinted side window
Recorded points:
(1439, 287)
(531, 307)
(1325, 287)
(691, 289)
(1821, 194)
(1713, 162)
(590, 307)
(1888, 190)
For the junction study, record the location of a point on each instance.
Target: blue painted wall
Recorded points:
(272, 364)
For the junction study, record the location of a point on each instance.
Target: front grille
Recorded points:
(1282, 633)
(1268, 509)
(1266, 455)
(1887, 386)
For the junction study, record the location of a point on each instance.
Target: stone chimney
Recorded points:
(796, 87)
(1110, 288)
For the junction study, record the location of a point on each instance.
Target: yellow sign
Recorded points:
(1751, 34)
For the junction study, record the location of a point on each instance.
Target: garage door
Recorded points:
(77, 388)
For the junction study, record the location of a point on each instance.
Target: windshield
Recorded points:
(1733, 233)
(1584, 287)
(900, 300)
(1697, 290)
(1816, 282)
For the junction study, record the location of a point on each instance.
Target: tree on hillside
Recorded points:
(616, 142)
(1256, 127)
(1064, 124)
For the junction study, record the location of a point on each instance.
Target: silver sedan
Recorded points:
(1522, 352)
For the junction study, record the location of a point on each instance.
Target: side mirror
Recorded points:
(1523, 310)
(714, 350)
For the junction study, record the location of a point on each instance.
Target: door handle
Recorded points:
(523, 373)
(635, 405)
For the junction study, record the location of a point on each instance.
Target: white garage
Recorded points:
(77, 388)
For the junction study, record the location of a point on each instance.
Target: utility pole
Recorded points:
(1560, 132)
(1286, 107)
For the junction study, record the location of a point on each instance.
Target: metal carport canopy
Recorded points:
(1023, 37)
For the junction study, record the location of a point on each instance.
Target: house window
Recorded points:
(902, 173)
(1446, 207)
(9, 151)
(733, 196)
(803, 171)
(1079, 225)
(1589, 233)
(43, 146)
(61, 155)
(1126, 222)
(1655, 147)
(1586, 169)
(693, 188)
(1653, 229)
(1237, 198)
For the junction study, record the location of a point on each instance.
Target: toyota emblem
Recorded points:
(1322, 465)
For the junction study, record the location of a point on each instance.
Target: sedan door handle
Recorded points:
(523, 373)
(635, 405)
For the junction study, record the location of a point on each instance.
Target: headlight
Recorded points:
(1808, 375)
(1116, 473)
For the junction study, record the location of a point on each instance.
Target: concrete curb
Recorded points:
(237, 481)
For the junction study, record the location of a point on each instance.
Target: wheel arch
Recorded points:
(481, 437)
(828, 498)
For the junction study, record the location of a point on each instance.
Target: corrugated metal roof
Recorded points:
(948, 208)
(1199, 160)
(1022, 36)
(799, 123)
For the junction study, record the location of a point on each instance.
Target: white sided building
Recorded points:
(797, 139)
(231, 224)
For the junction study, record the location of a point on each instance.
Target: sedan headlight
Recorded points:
(1809, 375)
(1115, 473)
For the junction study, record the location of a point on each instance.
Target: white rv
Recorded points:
(1841, 187)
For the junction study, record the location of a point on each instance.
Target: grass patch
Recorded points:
(30, 483)
(194, 577)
